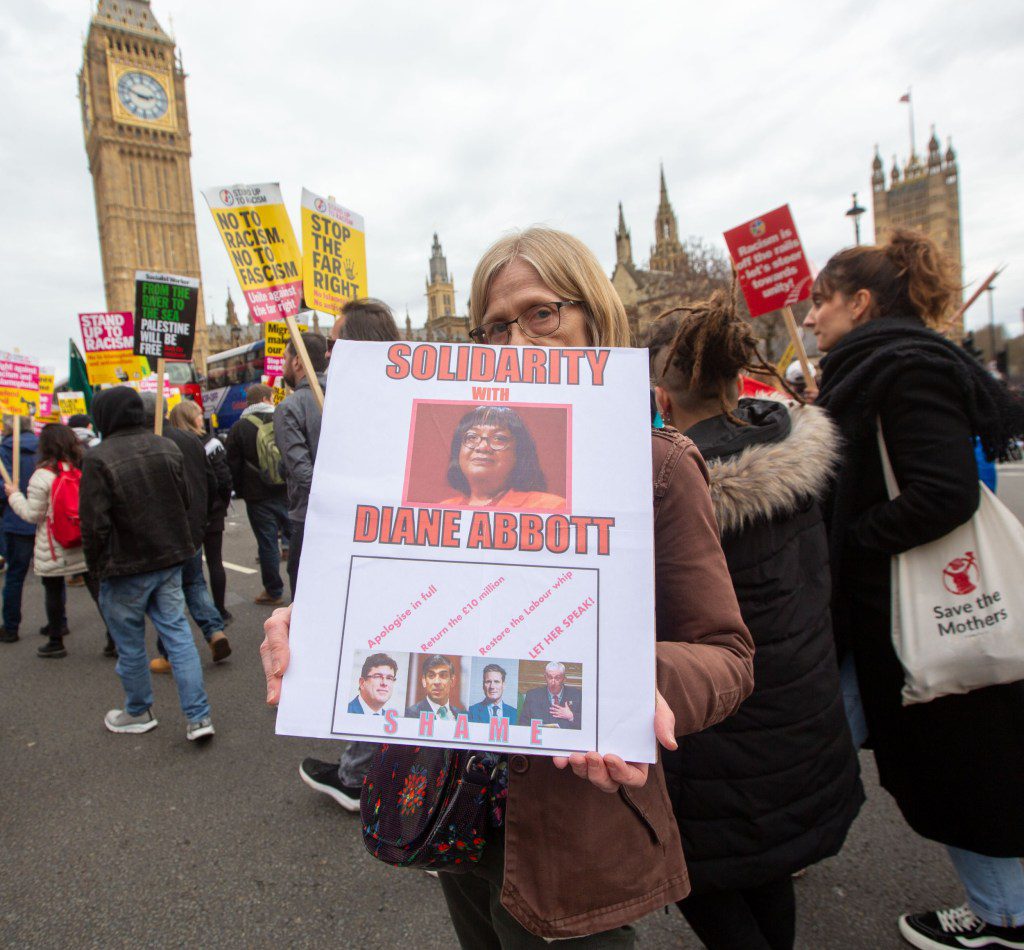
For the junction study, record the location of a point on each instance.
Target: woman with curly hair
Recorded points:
(955, 765)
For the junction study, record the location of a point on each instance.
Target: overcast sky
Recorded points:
(470, 119)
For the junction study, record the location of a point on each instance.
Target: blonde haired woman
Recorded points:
(594, 813)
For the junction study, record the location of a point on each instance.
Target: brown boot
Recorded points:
(219, 646)
(267, 601)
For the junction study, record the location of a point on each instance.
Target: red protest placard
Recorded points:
(770, 262)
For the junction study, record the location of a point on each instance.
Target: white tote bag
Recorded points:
(958, 603)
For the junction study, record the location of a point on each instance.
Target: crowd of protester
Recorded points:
(773, 539)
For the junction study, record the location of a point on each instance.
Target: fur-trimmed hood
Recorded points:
(770, 479)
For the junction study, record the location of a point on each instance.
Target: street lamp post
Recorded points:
(855, 212)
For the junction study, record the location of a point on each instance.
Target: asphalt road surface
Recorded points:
(127, 841)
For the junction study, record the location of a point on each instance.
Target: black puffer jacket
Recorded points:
(134, 500)
(775, 787)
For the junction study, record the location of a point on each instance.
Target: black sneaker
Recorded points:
(44, 630)
(323, 776)
(9, 636)
(52, 649)
(957, 927)
(110, 649)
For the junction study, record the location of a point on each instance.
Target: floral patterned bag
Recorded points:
(426, 807)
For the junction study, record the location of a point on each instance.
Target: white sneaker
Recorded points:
(119, 720)
(200, 729)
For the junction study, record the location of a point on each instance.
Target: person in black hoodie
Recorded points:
(202, 483)
(955, 765)
(774, 788)
(134, 507)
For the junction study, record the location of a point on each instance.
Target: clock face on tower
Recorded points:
(142, 95)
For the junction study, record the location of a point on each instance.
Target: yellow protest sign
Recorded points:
(279, 395)
(275, 342)
(19, 385)
(48, 409)
(333, 254)
(71, 404)
(253, 223)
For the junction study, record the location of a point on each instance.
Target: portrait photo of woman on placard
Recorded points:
(514, 457)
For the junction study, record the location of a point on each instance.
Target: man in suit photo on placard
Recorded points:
(376, 684)
(554, 704)
(491, 706)
(438, 679)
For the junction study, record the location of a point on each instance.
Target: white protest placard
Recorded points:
(478, 559)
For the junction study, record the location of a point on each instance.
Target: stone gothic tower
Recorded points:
(442, 321)
(623, 243)
(667, 253)
(926, 196)
(440, 290)
(135, 120)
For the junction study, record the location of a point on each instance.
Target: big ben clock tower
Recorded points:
(132, 89)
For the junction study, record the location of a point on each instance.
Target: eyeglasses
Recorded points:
(497, 441)
(540, 320)
(381, 677)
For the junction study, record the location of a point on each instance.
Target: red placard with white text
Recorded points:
(770, 262)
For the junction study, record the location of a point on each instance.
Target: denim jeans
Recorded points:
(267, 518)
(198, 598)
(126, 602)
(19, 560)
(994, 886)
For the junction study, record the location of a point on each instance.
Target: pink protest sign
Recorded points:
(107, 340)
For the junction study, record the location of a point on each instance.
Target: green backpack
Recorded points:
(267, 452)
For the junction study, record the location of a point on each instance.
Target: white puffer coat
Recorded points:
(34, 509)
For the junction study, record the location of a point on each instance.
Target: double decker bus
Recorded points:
(228, 375)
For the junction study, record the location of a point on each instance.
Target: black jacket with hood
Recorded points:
(134, 500)
(775, 787)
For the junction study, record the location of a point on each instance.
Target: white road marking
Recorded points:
(235, 567)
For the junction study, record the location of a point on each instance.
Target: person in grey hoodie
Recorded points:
(297, 432)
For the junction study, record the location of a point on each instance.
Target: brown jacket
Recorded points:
(577, 860)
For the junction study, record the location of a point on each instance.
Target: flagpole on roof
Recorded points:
(908, 99)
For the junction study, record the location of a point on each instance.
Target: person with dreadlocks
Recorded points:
(775, 788)
(955, 765)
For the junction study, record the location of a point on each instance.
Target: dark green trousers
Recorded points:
(481, 923)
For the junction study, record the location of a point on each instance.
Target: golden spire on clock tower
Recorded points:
(135, 121)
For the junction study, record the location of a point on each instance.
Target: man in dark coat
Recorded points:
(266, 504)
(554, 704)
(297, 433)
(134, 506)
(202, 483)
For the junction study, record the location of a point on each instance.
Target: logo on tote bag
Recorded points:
(960, 576)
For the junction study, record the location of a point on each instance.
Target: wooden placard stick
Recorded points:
(158, 419)
(951, 322)
(801, 353)
(300, 349)
(16, 466)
